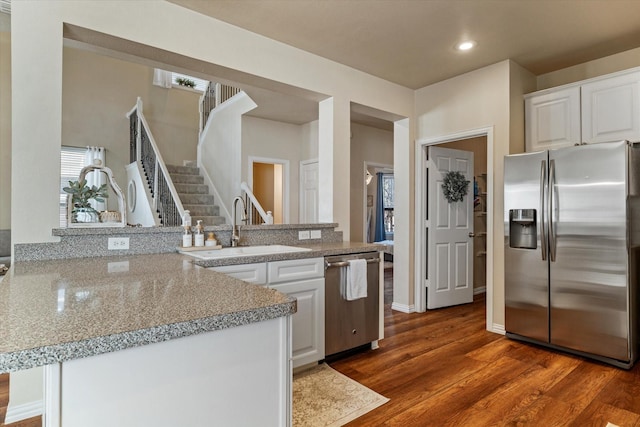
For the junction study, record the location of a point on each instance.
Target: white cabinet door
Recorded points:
(251, 273)
(295, 269)
(611, 109)
(552, 120)
(308, 321)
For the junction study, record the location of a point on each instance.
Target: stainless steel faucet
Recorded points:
(235, 236)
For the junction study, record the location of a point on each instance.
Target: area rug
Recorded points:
(323, 397)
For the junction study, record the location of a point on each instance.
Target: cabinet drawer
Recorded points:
(251, 273)
(295, 269)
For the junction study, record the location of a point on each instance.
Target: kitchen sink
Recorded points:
(239, 251)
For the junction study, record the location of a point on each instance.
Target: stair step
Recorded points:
(192, 188)
(196, 199)
(202, 210)
(184, 170)
(179, 178)
(209, 220)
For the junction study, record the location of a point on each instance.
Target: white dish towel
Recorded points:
(357, 279)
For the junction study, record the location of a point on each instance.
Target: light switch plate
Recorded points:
(316, 234)
(303, 235)
(118, 243)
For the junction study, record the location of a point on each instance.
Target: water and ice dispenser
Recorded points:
(523, 229)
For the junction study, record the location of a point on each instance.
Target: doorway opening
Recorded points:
(269, 181)
(481, 143)
(478, 146)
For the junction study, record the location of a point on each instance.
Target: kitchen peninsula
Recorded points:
(156, 334)
(147, 340)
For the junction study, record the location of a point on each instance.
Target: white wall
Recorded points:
(5, 122)
(598, 67)
(163, 25)
(309, 141)
(99, 90)
(274, 140)
(221, 150)
(475, 100)
(371, 145)
(158, 25)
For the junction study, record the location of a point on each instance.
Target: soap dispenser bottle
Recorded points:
(187, 237)
(199, 235)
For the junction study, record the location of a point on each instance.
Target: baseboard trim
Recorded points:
(17, 413)
(498, 329)
(480, 290)
(403, 307)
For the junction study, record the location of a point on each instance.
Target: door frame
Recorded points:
(420, 250)
(367, 165)
(285, 180)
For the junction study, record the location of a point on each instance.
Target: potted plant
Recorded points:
(81, 196)
(186, 82)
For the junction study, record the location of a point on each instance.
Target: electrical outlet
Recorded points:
(303, 235)
(118, 243)
(118, 267)
(316, 234)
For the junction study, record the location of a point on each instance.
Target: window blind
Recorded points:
(71, 163)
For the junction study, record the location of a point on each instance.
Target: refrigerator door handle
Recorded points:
(543, 235)
(550, 207)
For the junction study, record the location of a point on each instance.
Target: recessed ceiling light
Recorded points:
(466, 45)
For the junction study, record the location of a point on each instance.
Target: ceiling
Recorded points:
(411, 42)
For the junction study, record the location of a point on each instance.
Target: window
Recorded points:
(71, 163)
(201, 85)
(168, 79)
(388, 183)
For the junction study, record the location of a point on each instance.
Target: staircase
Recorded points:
(194, 195)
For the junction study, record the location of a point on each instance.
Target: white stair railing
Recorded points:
(144, 150)
(214, 95)
(255, 212)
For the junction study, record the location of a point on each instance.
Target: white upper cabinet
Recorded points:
(611, 109)
(602, 109)
(552, 119)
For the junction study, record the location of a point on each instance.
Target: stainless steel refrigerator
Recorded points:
(571, 249)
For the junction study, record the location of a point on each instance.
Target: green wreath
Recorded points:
(454, 186)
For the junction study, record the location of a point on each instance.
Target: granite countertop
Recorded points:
(317, 250)
(58, 310)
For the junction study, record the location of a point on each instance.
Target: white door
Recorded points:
(309, 192)
(450, 231)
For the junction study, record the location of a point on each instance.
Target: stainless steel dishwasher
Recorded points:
(350, 324)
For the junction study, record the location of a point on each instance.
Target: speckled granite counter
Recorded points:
(317, 250)
(59, 310)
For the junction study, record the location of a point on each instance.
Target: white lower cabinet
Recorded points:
(308, 322)
(255, 274)
(302, 279)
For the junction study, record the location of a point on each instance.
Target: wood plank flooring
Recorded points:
(442, 368)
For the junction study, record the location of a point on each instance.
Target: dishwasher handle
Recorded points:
(328, 264)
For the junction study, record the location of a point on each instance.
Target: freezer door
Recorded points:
(588, 249)
(526, 265)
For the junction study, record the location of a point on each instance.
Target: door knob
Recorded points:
(472, 234)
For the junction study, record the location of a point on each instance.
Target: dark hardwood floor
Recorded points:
(442, 368)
